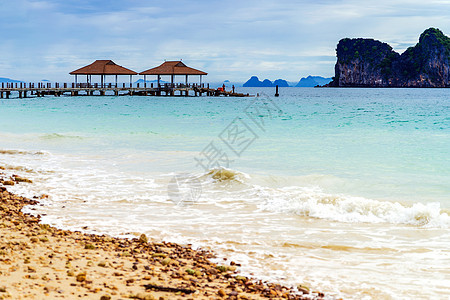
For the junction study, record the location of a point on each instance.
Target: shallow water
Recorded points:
(343, 190)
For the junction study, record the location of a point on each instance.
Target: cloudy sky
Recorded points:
(228, 39)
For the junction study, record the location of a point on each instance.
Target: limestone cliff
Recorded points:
(371, 63)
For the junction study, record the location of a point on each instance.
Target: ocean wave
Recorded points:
(21, 152)
(312, 202)
(17, 168)
(225, 175)
(276, 195)
(339, 247)
(55, 136)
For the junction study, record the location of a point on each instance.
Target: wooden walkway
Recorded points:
(24, 90)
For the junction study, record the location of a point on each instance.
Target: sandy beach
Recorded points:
(38, 261)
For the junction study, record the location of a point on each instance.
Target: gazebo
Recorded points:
(173, 68)
(102, 68)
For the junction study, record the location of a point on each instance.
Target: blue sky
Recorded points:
(228, 39)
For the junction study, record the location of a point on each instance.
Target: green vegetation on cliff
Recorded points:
(368, 50)
(441, 39)
(431, 42)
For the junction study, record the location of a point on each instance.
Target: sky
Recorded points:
(231, 40)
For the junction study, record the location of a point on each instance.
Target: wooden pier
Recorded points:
(26, 90)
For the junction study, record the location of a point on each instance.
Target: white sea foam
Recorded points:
(235, 216)
(80, 180)
(313, 202)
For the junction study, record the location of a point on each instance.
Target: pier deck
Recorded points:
(26, 90)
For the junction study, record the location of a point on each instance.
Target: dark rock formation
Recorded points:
(255, 82)
(371, 63)
(266, 83)
(281, 83)
(312, 81)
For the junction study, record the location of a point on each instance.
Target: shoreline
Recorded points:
(38, 261)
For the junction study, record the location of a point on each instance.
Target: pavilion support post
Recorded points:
(159, 86)
(145, 82)
(87, 80)
(131, 79)
(200, 80)
(76, 79)
(101, 80)
(116, 81)
(172, 77)
(187, 80)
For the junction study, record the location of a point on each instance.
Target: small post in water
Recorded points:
(276, 91)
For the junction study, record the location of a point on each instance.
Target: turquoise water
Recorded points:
(326, 180)
(394, 142)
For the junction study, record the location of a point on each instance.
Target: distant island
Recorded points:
(4, 79)
(371, 63)
(255, 82)
(312, 81)
(141, 81)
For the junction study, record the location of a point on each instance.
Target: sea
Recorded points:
(344, 191)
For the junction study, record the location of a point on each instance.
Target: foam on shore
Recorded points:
(38, 261)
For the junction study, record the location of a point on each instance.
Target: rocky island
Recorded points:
(255, 82)
(371, 63)
(312, 81)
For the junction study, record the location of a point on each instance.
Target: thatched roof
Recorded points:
(173, 68)
(103, 67)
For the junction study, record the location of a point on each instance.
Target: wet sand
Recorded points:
(38, 261)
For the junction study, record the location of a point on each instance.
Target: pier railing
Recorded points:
(41, 89)
(56, 85)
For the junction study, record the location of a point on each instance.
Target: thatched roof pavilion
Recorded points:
(103, 68)
(173, 68)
